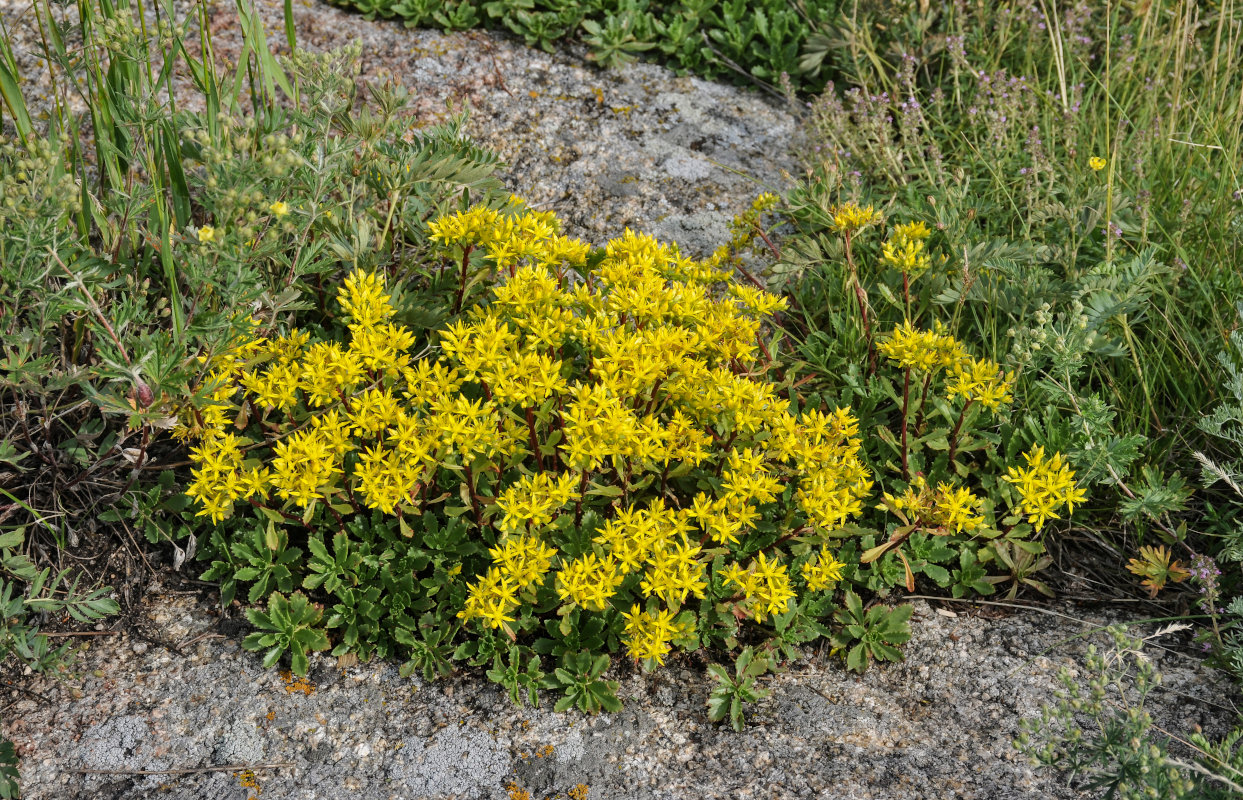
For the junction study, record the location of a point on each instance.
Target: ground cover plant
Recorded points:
(756, 43)
(591, 460)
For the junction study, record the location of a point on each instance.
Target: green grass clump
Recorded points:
(747, 41)
(1078, 167)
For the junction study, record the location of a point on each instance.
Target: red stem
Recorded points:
(906, 399)
(957, 428)
(461, 289)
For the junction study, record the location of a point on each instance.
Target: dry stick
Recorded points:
(183, 771)
(861, 296)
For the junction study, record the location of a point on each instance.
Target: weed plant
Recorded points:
(1100, 733)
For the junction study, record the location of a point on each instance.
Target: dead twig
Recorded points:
(184, 770)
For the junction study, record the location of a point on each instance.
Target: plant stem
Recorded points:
(461, 289)
(539, 460)
(923, 400)
(957, 428)
(906, 294)
(578, 504)
(906, 402)
(474, 501)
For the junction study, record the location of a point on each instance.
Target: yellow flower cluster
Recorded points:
(589, 581)
(534, 500)
(522, 561)
(944, 510)
(850, 217)
(510, 238)
(648, 635)
(607, 372)
(981, 381)
(927, 351)
(1045, 486)
(824, 573)
(906, 248)
(766, 585)
(220, 479)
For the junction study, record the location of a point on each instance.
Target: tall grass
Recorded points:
(991, 111)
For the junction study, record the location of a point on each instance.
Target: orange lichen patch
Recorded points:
(294, 683)
(516, 793)
(271, 715)
(247, 778)
(579, 792)
(544, 751)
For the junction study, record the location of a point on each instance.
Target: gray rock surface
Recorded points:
(938, 725)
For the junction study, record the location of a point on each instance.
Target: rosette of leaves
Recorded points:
(873, 634)
(290, 624)
(580, 679)
(733, 692)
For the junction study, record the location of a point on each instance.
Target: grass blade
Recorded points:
(16, 104)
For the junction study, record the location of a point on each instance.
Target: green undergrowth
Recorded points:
(1075, 164)
(733, 40)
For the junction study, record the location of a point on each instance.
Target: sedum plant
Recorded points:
(591, 461)
(965, 491)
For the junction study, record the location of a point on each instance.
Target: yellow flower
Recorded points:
(589, 581)
(280, 208)
(957, 508)
(207, 234)
(648, 636)
(980, 380)
(912, 231)
(491, 598)
(826, 572)
(1097, 163)
(850, 217)
(1045, 486)
(923, 350)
